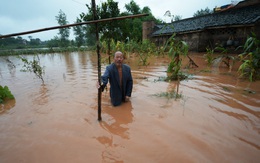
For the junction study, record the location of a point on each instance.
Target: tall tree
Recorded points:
(133, 8)
(89, 29)
(79, 33)
(63, 32)
(132, 28)
(127, 29)
(109, 30)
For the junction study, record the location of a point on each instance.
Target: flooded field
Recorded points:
(216, 120)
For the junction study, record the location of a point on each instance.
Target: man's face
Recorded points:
(118, 59)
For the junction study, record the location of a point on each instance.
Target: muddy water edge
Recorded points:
(216, 120)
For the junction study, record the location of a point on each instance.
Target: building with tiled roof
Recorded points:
(227, 27)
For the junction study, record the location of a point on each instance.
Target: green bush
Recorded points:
(5, 93)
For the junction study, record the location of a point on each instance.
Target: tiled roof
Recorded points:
(234, 16)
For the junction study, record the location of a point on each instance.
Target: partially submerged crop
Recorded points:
(250, 58)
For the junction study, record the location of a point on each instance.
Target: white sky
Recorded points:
(24, 15)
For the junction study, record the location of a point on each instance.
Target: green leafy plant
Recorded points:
(176, 49)
(250, 58)
(33, 66)
(5, 93)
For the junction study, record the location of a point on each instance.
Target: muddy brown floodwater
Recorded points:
(216, 120)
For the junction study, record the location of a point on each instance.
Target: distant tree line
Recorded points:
(19, 42)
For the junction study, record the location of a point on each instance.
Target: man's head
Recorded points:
(118, 58)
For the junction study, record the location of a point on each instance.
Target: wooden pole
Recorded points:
(99, 59)
(71, 25)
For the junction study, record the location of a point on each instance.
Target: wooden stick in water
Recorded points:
(99, 59)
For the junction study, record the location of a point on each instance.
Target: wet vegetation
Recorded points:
(5, 93)
(227, 59)
(250, 58)
(33, 66)
(209, 58)
(169, 95)
(175, 49)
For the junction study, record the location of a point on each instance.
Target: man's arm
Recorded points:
(129, 84)
(104, 79)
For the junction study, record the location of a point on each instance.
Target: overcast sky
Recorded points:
(24, 15)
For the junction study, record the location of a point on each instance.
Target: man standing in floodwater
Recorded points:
(120, 79)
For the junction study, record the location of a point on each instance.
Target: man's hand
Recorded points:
(102, 87)
(127, 98)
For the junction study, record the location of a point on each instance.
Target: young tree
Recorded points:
(176, 48)
(63, 32)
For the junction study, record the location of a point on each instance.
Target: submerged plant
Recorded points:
(143, 54)
(228, 60)
(5, 93)
(145, 51)
(169, 95)
(143, 59)
(160, 78)
(33, 66)
(250, 58)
